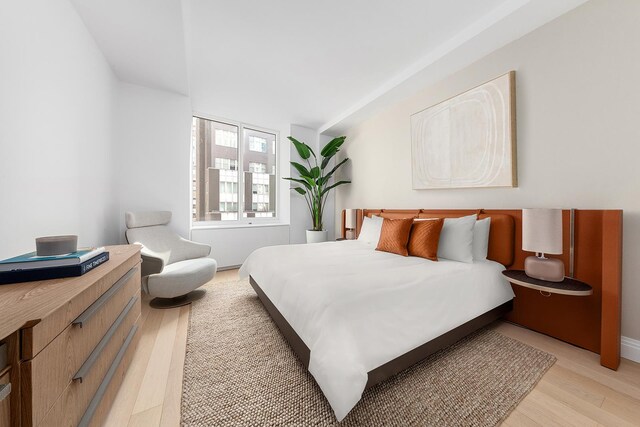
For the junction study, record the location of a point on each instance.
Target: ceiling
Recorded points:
(143, 40)
(324, 65)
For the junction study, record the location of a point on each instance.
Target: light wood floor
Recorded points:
(576, 391)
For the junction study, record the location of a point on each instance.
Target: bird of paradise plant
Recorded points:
(315, 182)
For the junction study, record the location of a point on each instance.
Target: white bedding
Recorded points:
(357, 308)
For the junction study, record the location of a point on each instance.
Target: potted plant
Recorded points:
(316, 182)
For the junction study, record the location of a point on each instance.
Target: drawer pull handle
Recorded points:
(95, 401)
(95, 354)
(5, 391)
(93, 308)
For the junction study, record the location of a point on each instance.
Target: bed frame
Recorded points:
(592, 241)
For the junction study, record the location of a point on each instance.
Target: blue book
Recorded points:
(31, 260)
(30, 275)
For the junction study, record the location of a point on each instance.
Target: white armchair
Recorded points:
(172, 267)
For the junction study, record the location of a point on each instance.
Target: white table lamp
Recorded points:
(350, 220)
(542, 234)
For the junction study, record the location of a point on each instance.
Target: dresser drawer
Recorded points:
(5, 400)
(79, 400)
(86, 289)
(80, 344)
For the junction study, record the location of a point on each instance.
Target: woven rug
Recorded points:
(239, 371)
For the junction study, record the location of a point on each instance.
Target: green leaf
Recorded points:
(325, 162)
(326, 190)
(302, 170)
(332, 153)
(334, 144)
(300, 190)
(315, 172)
(332, 171)
(307, 185)
(303, 149)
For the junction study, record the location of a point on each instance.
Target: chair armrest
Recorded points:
(152, 262)
(191, 250)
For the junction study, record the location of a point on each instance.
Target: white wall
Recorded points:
(231, 246)
(151, 170)
(330, 202)
(577, 110)
(56, 108)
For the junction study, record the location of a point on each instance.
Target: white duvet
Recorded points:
(357, 308)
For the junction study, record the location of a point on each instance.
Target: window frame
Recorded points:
(241, 221)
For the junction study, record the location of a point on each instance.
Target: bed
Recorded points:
(356, 316)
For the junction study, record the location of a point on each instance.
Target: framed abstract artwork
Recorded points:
(467, 141)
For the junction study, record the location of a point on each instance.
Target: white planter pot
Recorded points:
(316, 236)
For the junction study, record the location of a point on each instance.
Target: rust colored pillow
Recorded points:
(395, 235)
(424, 238)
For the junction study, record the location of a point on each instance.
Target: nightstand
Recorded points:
(567, 287)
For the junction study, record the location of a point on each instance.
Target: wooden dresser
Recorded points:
(66, 343)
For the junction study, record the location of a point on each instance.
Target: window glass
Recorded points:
(257, 143)
(215, 164)
(226, 171)
(260, 175)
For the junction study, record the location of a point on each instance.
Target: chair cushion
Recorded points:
(146, 219)
(166, 244)
(181, 277)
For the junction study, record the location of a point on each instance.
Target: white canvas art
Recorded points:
(468, 140)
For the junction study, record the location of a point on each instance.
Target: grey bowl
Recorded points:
(56, 245)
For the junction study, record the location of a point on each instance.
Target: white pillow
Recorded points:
(481, 239)
(371, 228)
(456, 239)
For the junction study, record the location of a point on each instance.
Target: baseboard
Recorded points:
(630, 349)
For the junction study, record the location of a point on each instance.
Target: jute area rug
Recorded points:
(239, 371)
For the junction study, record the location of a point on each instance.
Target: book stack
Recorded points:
(29, 267)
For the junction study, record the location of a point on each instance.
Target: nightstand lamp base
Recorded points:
(549, 269)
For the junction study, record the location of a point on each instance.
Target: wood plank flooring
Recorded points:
(576, 391)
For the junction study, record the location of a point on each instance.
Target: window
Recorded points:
(226, 164)
(260, 189)
(226, 138)
(234, 171)
(257, 144)
(257, 167)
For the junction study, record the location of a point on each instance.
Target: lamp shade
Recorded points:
(350, 218)
(542, 230)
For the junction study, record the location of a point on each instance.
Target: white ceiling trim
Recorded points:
(470, 32)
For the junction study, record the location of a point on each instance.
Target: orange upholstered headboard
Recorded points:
(502, 234)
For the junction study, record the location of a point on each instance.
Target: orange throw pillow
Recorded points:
(424, 238)
(395, 235)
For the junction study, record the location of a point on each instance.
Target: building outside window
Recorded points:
(260, 189)
(226, 138)
(227, 164)
(258, 144)
(257, 167)
(234, 172)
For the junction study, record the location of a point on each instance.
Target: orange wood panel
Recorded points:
(611, 288)
(591, 322)
(572, 319)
